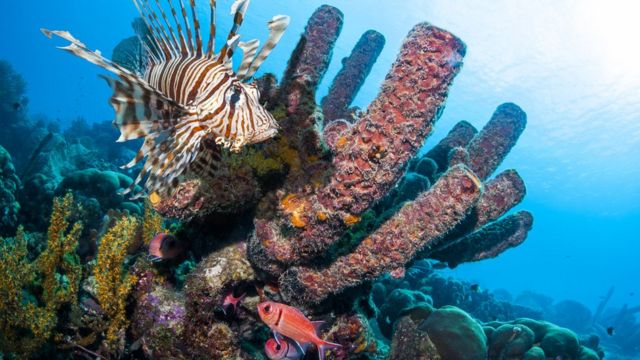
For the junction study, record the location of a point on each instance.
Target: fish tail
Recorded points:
(324, 346)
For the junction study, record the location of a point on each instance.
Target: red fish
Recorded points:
(285, 350)
(230, 303)
(285, 320)
(163, 247)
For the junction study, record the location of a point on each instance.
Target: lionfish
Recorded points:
(188, 98)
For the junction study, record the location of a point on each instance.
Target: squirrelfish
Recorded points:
(163, 247)
(286, 349)
(186, 101)
(285, 320)
(230, 303)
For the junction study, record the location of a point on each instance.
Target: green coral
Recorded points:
(32, 293)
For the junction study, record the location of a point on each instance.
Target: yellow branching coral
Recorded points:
(59, 264)
(113, 282)
(152, 224)
(31, 293)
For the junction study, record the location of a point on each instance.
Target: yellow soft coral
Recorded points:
(152, 224)
(28, 315)
(60, 256)
(113, 282)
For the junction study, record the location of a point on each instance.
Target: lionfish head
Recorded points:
(257, 122)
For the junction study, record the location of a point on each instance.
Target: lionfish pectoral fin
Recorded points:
(140, 109)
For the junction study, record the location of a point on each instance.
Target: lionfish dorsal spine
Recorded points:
(277, 27)
(249, 51)
(211, 44)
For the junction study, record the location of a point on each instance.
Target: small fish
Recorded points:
(164, 247)
(285, 320)
(231, 302)
(475, 288)
(631, 293)
(190, 101)
(287, 349)
(611, 331)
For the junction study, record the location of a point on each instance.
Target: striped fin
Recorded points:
(207, 163)
(186, 26)
(238, 9)
(231, 46)
(173, 40)
(196, 28)
(140, 109)
(277, 27)
(155, 29)
(249, 50)
(183, 44)
(211, 44)
(169, 155)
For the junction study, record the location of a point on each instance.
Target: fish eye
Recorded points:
(235, 96)
(267, 309)
(278, 347)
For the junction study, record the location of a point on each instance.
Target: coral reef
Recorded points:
(33, 292)
(422, 285)
(336, 201)
(351, 77)
(450, 333)
(313, 234)
(9, 186)
(113, 284)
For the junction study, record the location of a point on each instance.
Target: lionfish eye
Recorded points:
(267, 308)
(235, 96)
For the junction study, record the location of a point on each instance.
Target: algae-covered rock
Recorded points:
(535, 353)
(101, 185)
(510, 341)
(205, 289)
(455, 334)
(395, 304)
(560, 342)
(411, 343)
(588, 354)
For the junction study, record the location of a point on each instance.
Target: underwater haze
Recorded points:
(571, 65)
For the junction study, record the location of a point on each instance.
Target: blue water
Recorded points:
(571, 65)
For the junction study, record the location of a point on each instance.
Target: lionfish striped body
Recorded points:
(188, 98)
